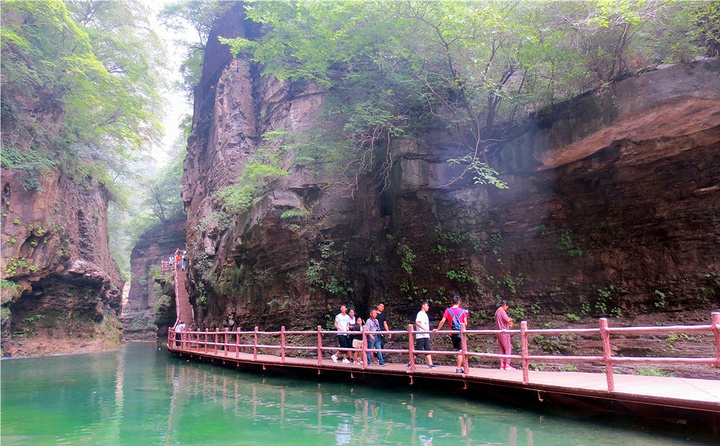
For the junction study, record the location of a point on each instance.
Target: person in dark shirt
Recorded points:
(381, 317)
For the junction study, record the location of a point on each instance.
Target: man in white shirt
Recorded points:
(422, 336)
(342, 321)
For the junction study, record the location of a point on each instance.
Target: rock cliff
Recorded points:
(61, 291)
(148, 312)
(613, 208)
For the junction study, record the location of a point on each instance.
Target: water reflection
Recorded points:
(139, 396)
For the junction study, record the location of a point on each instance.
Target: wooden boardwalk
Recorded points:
(684, 401)
(630, 390)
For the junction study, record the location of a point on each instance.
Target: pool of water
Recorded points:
(141, 395)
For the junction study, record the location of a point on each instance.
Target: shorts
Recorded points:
(344, 341)
(422, 344)
(357, 343)
(456, 341)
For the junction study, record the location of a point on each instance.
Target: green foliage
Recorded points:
(407, 256)
(330, 272)
(290, 214)
(217, 220)
(651, 371)
(573, 317)
(268, 164)
(255, 181)
(30, 166)
(456, 239)
(566, 245)
(549, 345)
(711, 288)
(461, 275)
(481, 172)
(200, 16)
(15, 266)
(88, 71)
(603, 304)
(14, 288)
(517, 313)
(513, 282)
(661, 301)
(391, 68)
(163, 191)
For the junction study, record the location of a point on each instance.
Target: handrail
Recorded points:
(229, 341)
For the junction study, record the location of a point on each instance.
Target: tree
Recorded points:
(200, 16)
(394, 68)
(75, 91)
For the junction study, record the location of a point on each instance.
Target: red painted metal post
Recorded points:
(255, 344)
(525, 352)
(226, 345)
(607, 353)
(363, 352)
(206, 340)
(463, 343)
(216, 336)
(319, 345)
(411, 348)
(716, 332)
(282, 344)
(237, 343)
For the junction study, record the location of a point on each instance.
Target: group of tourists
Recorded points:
(350, 330)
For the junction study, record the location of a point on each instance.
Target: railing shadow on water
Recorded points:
(312, 344)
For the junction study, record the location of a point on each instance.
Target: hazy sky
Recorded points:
(176, 104)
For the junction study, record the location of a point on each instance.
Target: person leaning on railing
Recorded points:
(504, 322)
(178, 335)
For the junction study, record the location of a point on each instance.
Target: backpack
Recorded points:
(456, 318)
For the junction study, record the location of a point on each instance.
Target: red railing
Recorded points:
(229, 342)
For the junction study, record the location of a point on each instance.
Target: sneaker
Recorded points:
(432, 366)
(502, 367)
(408, 364)
(509, 367)
(459, 371)
(334, 358)
(345, 361)
(383, 364)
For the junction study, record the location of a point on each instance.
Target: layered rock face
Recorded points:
(61, 290)
(613, 208)
(148, 312)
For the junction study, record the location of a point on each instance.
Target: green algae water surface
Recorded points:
(140, 395)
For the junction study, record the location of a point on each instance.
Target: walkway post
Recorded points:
(206, 340)
(319, 346)
(217, 334)
(225, 341)
(255, 344)
(607, 353)
(237, 343)
(363, 350)
(463, 344)
(716, 332)
(282, 345)
(524, 351)
(411, 349)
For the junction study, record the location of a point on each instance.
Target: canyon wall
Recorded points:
(613, 208)
(61, 291)
(148, 312)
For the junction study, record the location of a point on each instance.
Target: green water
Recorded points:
(140, 395)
